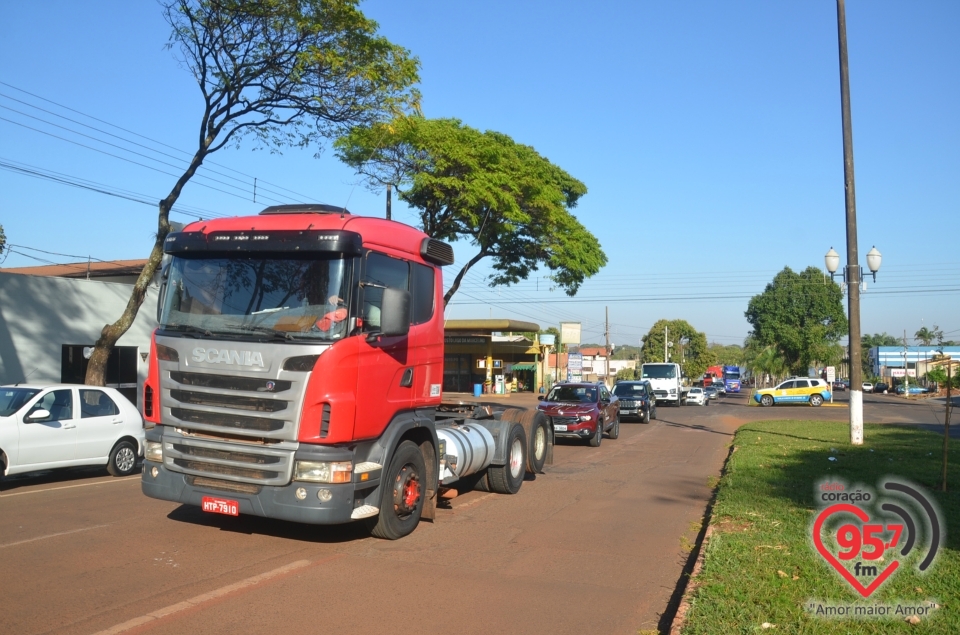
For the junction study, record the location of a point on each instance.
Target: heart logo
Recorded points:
(844, 508)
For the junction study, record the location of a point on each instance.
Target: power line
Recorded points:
(303, 197)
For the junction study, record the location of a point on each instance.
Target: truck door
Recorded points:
(382, 388)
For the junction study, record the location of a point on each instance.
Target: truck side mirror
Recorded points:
(395, 312)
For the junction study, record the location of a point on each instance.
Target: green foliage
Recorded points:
(869, 341)
(625, 351)
(695, 355)
(727, 355)
(511, 203)
(627, 374)
(802, 315)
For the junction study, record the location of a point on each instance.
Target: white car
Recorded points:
(44, 427)
(867, 387)
(697, 396)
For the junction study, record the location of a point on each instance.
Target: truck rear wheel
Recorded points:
(507, 479)
(535, 427)
(402, 495)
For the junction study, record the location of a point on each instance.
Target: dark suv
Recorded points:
(636, 400)
(582, 411)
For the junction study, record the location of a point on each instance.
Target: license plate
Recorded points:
(220, 506)
(560, 428)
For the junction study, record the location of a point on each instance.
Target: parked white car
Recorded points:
(697, 396)
(44, 427)
(867, 387)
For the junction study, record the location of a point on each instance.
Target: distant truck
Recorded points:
(666, 382)
(731, 378)
(714, 375)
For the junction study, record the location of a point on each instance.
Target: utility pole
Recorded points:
(853, 268)
(389, 196)
(906, 373)
(666, 333)
(946, 428)
(606, 334)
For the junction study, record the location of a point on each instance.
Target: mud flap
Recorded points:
(549, 459)
(430, 504)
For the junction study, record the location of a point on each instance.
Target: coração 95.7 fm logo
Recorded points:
(856, 530)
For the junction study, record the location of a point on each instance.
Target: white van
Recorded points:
(665, 380)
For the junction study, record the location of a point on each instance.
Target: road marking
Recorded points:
(53, 489)
(209, 597)
(62, 533)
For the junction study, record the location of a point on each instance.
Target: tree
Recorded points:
(285, 72)
(512, 204)
(802, 315)
(626, 374)
(696, 357)
(727, 355)
(925, 336)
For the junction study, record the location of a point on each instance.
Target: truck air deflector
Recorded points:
(436, 251)
(273, 240)
(304, 208)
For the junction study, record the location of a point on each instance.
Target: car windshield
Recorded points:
(628, 390)
(695, 391)
(659, 371)
(12, 399)
(574, 394)
(295, 298)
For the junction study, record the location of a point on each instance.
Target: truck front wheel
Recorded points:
(402, 497)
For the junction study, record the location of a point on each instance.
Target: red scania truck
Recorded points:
(296, 373)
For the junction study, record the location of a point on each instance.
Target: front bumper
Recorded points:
(269, 502)
(577, 431)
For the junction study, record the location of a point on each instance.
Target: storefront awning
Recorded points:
(524, 367)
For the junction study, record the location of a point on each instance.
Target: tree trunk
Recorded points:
(97, 366)
(459, 278)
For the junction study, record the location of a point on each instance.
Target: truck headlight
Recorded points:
(323, 471)
(153, 451)
(673, 391)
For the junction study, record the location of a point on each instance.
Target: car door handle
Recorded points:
(68, 426)
(116, 421)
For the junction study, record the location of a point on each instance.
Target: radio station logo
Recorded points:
(867, 538)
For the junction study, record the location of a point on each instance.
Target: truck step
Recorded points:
(366, 466)
(364, 511)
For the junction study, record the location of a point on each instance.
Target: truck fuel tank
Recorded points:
(468, 448)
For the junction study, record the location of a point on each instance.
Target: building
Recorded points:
(50, 316)
(890, 361)
(494, 354)
(595, 366)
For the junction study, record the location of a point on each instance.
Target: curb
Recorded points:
(681, 617)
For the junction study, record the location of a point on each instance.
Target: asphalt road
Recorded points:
(596, 545)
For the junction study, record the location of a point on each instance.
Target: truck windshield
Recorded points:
(292, 298)
(659, 371)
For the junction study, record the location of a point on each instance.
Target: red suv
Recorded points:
(582, 411)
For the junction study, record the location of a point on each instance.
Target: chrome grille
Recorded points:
(565, 420)
(256, 465)
(230, 382)
(225, 486)
(228, 401)
(220, 420)
(628, 404)
(660, 393)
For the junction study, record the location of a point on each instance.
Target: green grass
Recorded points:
(760, 565)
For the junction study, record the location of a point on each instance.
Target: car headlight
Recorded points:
(153, 451)
(323, 471)
(586, 417)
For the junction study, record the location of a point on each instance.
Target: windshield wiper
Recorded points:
(284, 335)
(187, 328)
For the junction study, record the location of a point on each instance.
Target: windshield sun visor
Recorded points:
(296, 241)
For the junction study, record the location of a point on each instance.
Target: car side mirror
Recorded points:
(539, 397)
(38, 415)
(395, 312)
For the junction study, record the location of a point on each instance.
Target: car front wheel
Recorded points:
(816, 400)
(766, 400)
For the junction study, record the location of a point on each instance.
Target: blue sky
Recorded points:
(707, 133)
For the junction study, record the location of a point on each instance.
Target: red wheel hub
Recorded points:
(406, 490)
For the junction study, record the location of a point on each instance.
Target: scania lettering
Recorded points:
(297, 374)
(665, 380)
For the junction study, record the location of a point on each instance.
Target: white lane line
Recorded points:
(62, 533)
(53, 489)
(206, 597)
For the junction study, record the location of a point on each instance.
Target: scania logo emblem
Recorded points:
(271, 385)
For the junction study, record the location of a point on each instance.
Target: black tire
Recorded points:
(766, 400)
(123, 459)
(653, 412)
(595, 440)
(816, 400)
(646, 416)
(507, 478)
(615, 428)
(402, 495)
(536, 427)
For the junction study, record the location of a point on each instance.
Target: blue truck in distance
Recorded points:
(731, 378)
